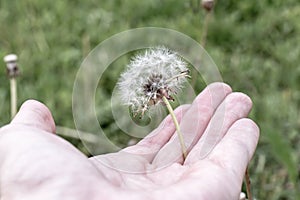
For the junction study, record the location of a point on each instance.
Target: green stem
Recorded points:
(207, 18)
(248, 184)
(205, 28)
(13, 97)
(181, 140)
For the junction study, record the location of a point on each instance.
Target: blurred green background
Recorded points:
(255, 44)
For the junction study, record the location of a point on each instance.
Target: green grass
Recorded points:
(254, 44)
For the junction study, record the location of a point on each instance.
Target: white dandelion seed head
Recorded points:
(150, 75)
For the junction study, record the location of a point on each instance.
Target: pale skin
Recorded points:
(37, 164)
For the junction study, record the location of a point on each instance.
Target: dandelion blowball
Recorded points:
(158, 72)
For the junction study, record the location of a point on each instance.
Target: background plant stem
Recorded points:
(13, 97)
(203, 43)
(205, 28)
(248, 184)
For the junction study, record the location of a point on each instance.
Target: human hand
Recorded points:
(35, 164)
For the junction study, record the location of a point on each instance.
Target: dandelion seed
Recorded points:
(153, 78)
(157, 73)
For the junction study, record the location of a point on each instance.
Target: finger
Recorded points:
(194, 122)
(234, 107)
(35, 114)
(237, 147)
(150, 145)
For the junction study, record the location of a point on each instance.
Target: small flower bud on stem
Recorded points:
(12, 73)
(208, 5)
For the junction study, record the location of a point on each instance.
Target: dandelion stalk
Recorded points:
(248, 184)
(208, 6)
(205, 28)
(181, 140)
(13, 97)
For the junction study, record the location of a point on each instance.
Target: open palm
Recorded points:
(35, 164)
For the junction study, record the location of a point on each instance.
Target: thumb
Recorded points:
(35, 114)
